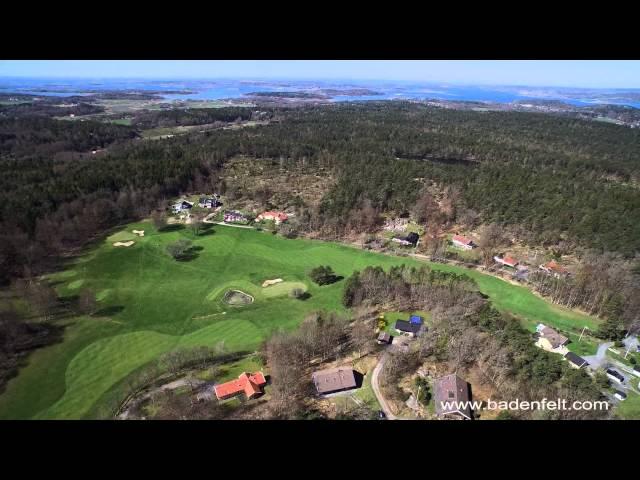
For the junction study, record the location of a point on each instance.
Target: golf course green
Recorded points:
(150, 304)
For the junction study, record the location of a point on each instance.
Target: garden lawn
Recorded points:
(150, 304)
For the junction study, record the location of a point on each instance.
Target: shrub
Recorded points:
(323, 275)
(179, 248)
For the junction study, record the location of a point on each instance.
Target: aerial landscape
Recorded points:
(339, 240)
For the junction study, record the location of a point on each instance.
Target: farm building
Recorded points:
(277, 217)
(407, 328)
(334, 380)
(450, 391)
(234, 217)
(463, 242)
(550, 340)
(576, 361)
(180, 206)
(247, 384)
(506, 261)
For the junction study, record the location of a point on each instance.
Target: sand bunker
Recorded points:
(266, 283)
(236, 297)
(140, 233)
(124, 244)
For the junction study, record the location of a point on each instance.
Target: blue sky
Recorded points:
(568, 73)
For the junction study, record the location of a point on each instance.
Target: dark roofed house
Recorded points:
(334, 380)
(450, 391)
(411, 239)
(576, 361)
(407, 328)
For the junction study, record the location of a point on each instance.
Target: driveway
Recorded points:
(600, 358)
(376, 390)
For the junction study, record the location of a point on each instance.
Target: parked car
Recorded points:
(381, 415)
(620, 395)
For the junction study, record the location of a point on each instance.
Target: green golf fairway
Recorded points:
(151, 304)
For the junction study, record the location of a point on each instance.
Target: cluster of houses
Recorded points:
(550, 268)
(451, 392)
(407, 328)
(230, 216)
(203, 202)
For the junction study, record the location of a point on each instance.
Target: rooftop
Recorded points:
(334, 379)
(248, 383)
(405, 326)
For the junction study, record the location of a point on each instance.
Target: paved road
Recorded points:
(230, 225)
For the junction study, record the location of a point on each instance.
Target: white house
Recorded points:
(463, 242)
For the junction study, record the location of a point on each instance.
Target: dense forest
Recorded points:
(555, 180)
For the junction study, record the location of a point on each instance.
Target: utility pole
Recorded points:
(582, 333)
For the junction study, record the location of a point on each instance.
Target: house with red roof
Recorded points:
(554, 268)
(507, 261)
(249, 384)
(463, 242)
(277, 217)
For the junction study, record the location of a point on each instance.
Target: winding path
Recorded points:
(376, 390)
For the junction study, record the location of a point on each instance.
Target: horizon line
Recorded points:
(309, 79)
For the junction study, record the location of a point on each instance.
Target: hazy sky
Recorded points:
(571, 73)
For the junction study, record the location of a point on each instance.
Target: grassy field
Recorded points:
(151, 304)
(629, 409)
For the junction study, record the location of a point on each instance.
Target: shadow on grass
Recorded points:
(109, 311)
(172, 228)
(304, 296)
